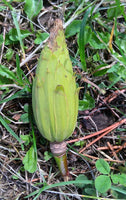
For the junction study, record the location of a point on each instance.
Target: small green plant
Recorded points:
(104, 182)
(32, 9)
(30, 159)
(47, 155)
(25, 116)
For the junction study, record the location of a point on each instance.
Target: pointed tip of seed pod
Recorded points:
(58, 25)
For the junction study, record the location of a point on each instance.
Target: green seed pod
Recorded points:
(54, 94)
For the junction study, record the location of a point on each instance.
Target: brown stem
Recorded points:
(58, 150)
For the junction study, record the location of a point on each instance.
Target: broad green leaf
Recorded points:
(99, 72)
(24, 118)
(96, 43)
(102, 183)
(104, 36)
(119, 70)
(30, 160)
(119, 178)
(114, 78)
(114, 178)
(26, 107)
(80, 143)
(73, 28)
(9, 54)
(121, 42)
(4, 81)
(114, 68)
(102, 166)
(47, 156)
(13, 34)
(116, 73)
(33, 8)
(96, 57)
(26, 139)
(99, 40)
(7, 40)
(87, 103)
(90, 191)
(81, 177)
(40, 37)
(115, 11)
(6, 72)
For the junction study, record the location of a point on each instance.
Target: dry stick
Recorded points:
(95, 140)
(115, 94)
(111, 37)
(121, 147)
(32, 54)
(113, 152)
(107, 148)
(109, 98)
(110, 128)
(84, 79)
(88, 136)
(96, 158)
(110, 108)
(113, 126)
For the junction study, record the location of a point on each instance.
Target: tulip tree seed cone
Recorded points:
(54, 94)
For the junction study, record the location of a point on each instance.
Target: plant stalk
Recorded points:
(58, 150)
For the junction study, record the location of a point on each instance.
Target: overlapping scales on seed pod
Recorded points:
(54, 95)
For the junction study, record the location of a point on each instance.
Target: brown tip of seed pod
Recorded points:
(54, 32)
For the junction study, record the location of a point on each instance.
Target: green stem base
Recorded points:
(58, 150)
(62, 165)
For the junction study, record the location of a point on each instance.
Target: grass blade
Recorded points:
(82, 41)
(118, 189)
(25, 92)
(19, 71)
(38, 192)
(18, 30)
(21, 76)
(10, 130)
